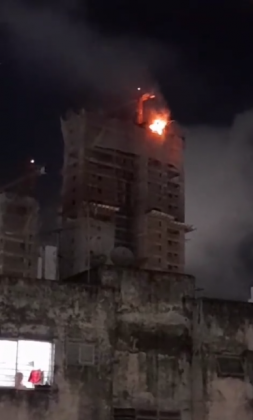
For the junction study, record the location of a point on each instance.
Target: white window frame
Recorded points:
(15, 368)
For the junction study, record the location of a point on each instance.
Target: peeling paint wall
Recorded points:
(153, 346)
(155, 349)
(140, 324)
(222, 328)
(36, 309)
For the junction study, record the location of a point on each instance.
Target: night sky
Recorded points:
(197, 52)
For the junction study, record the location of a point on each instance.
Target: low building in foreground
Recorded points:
(122, 345)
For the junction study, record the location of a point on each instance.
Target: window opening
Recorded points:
(25, 364)
(80, 354)
(124, 414)
(132, 414)
(230, 366)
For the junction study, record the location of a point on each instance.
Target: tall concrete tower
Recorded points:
(123, 191)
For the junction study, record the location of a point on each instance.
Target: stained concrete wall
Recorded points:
(222, 328)
(156, 349)
(140, 323)
(153, 345)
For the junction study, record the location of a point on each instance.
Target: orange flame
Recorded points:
(158, 125)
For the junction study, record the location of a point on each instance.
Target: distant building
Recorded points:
(123, 188)
(18, 235)
(48, 262)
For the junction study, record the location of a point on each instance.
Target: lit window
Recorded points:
(25, 364)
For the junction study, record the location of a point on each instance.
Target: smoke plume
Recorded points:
(219, 203)
(49, 43)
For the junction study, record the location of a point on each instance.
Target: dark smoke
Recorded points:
(52, 44)
(219, 203)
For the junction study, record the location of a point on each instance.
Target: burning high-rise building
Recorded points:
(123, 190)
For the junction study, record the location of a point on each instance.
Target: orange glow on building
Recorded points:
(158, 126)
(159, 123)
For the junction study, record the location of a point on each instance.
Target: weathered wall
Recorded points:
(51, 311)
(153, 344)
(140, 324)
(222, 328)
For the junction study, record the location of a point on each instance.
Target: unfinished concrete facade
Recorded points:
(18, 235)
(117, 173)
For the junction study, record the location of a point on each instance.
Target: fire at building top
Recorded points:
(159, 123)
(152, 115)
